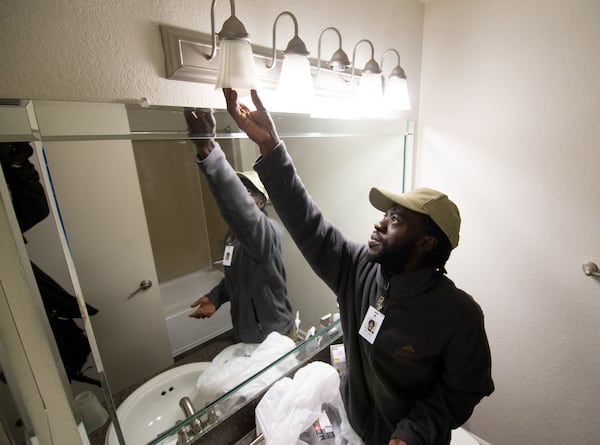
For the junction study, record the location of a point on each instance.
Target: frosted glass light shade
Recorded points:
(295, 90)
(369, 96)
(395, 96)
(236, 65)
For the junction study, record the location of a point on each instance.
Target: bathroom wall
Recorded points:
(510, 107)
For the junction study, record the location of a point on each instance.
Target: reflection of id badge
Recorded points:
(228, 255)
(371, 324)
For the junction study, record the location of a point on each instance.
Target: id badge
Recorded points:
(371, 324)
(228, 255)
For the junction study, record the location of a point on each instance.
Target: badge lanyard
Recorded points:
(371, 324)
(373, 320)
(228, 255)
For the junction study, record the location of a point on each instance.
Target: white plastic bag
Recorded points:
(289, 407)
(238, 362)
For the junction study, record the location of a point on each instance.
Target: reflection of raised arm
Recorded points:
(201, 122)
(249, 225)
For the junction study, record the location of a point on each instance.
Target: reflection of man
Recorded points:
(254, 280)
(427, 365)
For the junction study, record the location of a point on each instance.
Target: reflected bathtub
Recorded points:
(177, 295)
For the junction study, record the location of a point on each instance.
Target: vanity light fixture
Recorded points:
(369, 94)
(295, 86)
(231, 61)
(395, 88)
(236, 61)
(339, 60)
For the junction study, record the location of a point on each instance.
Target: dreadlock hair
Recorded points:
(437, 257)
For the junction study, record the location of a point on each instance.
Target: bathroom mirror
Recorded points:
(132, 208)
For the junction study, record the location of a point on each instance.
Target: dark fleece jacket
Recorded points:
(255, 281)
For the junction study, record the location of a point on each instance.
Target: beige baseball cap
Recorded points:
(252, 177)
(423, 200)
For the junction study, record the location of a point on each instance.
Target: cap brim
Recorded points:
(384, 200)
(252, 178)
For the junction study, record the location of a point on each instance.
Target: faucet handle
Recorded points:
(182, 435)
(212, 416)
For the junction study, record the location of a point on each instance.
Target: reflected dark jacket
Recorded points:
(255, 282)
(29, 202)
(430, 362)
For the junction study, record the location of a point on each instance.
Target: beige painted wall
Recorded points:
(509, 128)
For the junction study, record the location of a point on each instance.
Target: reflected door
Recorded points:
(100, 203)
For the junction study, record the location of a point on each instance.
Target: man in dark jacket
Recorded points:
(254, 280)
(426, 363)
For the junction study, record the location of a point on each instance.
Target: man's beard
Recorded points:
(396, 258)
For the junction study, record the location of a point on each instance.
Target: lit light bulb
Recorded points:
(295, 91)
(236, 66)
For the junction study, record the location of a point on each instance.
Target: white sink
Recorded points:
(154, 406)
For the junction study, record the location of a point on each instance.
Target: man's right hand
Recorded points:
(204, 308)
(258, 124)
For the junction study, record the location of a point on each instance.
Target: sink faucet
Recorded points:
(188, 409)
